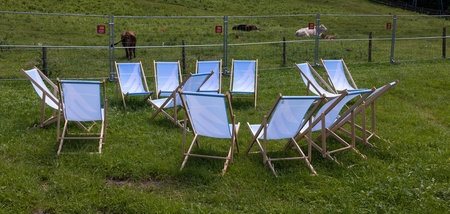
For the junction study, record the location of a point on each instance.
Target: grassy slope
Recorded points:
(138, 170)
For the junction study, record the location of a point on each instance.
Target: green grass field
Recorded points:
(138, 170)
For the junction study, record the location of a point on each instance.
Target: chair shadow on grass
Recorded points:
(242, 104)
(133, 104)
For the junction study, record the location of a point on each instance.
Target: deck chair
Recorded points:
(368, 103)
(284, 121)
(328, 117)
(192, 82)
(131, 80)
(244, 77)
(208, 116)
(81, 102)
(308, 75)
(214, 83)
(48, 98)
(167, 77)
(336, 72)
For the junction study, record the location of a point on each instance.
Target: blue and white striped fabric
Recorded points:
(34, 74)
(287, 118)
(213, 83)
(306, 71)
(82, 100)
(208, 113)
(335, 70)
(131, 78)
(244, 74)
(167, 77)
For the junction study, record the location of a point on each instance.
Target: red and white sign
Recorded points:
(101, 29)
(388, 26)
(218, 29)
(311, 25)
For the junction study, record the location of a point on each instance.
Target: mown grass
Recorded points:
(138, 170)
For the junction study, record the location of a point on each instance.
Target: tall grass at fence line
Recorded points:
(139, 167)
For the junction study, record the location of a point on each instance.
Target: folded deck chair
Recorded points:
(244, 77)
(81, 102)
(284, 121)
(214, 83)
(369, 102)
(308, 75)
(208, 116)
(131, 80)
(167, 77)
(48, 98)
(192, 82)
(328, 117)
(337, 76)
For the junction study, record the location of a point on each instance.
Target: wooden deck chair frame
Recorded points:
(347, 72)
(255, 95)
(325, 132)
(44, 122)
(263, 147)
(220, 73)
(366, 135)
(119, 86)
(234, 139)
(81, 136)
(157, 92)
(310, 85)
(176, 109)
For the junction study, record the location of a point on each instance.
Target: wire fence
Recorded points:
(80, 46)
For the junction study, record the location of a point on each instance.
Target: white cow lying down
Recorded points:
(309, 32)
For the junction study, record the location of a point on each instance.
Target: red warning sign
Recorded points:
(388, 26)
(311, 25)
(218, 29)
(101, 29)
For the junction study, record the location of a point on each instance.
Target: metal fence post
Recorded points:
(393, 39)
(111, 72)
(316, 51)
(113, 48)
(225, 44)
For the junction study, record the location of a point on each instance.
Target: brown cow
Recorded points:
(128, 39)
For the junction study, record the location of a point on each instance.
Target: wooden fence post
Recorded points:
(284, 51)
(184, 58)
(370, 47)
(44, 61)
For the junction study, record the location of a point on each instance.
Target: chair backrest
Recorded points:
(336, 73)
(208, 114)
(82, 100)
(244, 76)
(288, 116)
(213, 83)
(308, 77)
(40, 87)
(167, 75)
(192, 84)
(379, 91)
(130, 77)
(332, 112)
